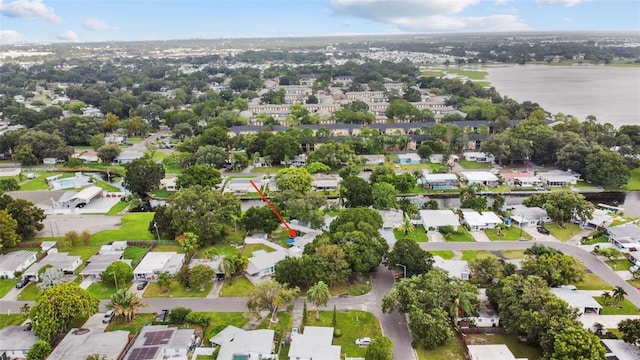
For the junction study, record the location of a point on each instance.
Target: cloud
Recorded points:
(26, 9)
(9, 37)
(68, 36)
(567, 3)
(424, 16)
(502, 2)
(96, 24)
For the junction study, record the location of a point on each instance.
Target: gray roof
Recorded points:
(59, 261)
(99, 262)
(455, 268)
(529, 213)
(314, 343)
(12, 260)
(440, 177)
(263, 260)
(225, 335)
(576, 298)
(13, 338)
(245, 342)
(78, 346)
(628, 231)
(621, 350)
(436, 218)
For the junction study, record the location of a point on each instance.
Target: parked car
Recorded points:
(142, 285)
(295, 331)
(634, 268)
(22, 283)
(365, 341)
(543, 230)
(27, 326)
(108, 316)
(162, 316)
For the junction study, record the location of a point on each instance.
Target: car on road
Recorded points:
(162, 316)
(365, 341)
(142, 285)
(108, 316)
(543, 230)
(22, 283)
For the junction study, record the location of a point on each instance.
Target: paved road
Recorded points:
(590, 261)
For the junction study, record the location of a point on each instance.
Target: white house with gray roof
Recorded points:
(529, 216)
(61, 261)
(625, 234)
(16, 261)
(559, 177)
(584, 302)
(15, 343)
(480, 221)
(314, 344)
(455, 268)
(247, 345)
(479, 177)
(154, 263)
(263, 263)
(78, 344)
(435, 219)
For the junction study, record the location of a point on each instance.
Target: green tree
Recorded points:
(8, 184)
(189, 243)
(270, 295)
(96, 141)
(402, 110)
(200, 275)
(556, 269)
(485, 271)
(630, 329)
(408, 253)
(178, 315)
(28, 216)
(126, 304)
(332, 154)
(296, 179)
(211, 155)
(577, 344)
(618, 294)
(381, 348)
(57, 306)
(203, 175)
(606, 168)
(562, 206)
(610, 253)
(111, 122)
(96, 357)
(39, 350)
(119, 272)
(164, 281)
(305, 313)
(51, 276)
(303, 207)
(407, 227)
(356, 192)
(317, 167)
(260, 219)
(318, 295)
(8, 227)
(108, 153)
(282, 146)
(607, 298)
(142, 176)
(470, 198)
(384, 196)
(432, 327)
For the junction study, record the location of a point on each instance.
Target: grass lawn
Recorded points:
(221, 250)
(6, 285)
(474, 165)
(284, 324)
(135, 226)
(513, 254)
(510, 233)
(619, 264)
(132, 327)
(163, 194)
(473, 255)
(461, 235)
(593, 282)
(353, 324)
(598, 240)
(176, 291)
(220, 320)
(11, 320)
(105, 185)
(102, 290)
(563, 234)
(500, 189)
(445, 254)
(160, 248)
(435, 167)
(518, 348)
(135, 254)
(418, 234)
(624, 308)
(29, 292)
(451, 350)
(353, 288)
(248, 249)
(39, 183)
(583, 185)
(471, 74)
(236, 236)
(634, 180)
(118, 208)
(85, 252)
(267, 170)
(241, 287)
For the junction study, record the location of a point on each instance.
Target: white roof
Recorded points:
(13, 338)
(528, 213)
(88, 193)
(621, 350)
(475, 154)
(263, 260)
(439, 177)
(12, 260)
(225, 335)
(314, 343)
(490, 352)
(474, 218)
(78, 346)
(629, 231)
(576, 298)
(437, 218)
(157, 261)
(455, 268)
(247, 342)
(478, 176)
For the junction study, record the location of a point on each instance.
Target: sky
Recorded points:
(46, 21)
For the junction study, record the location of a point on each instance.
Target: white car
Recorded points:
(634, 268)
(365, 341)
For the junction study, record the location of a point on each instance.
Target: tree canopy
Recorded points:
(142, 175)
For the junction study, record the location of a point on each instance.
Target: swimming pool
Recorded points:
(64, 183)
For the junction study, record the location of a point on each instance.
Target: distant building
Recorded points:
(479, 177)
(440, 181)
(169, 184)
(519, 179)
(128, 156)
(324, 182)
(409, 159)
(479, 157)
(557, 178)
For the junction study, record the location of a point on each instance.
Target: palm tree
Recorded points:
(228, 265)
(164, 281)
(618, 294)
(461, 305)
(606, 297)
(24, 309)
(318, 295)
(124, 303)
(407, 227)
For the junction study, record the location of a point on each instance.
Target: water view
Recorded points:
(610, 93)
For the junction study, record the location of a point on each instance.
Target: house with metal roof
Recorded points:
(263, 263)
(162, 342)
(246, 345)
(478, 157)
(620, 350)
(15, 342)
(435, 219)
(78, 344)
(98, 263)
(440, 181)
(558, 178)
(154, 263)
(528, 216)
(584, 302)
(625, 236)
(128, 156)
(479, 177)
(455, 268)
(61, 261)
(314, 344)
(480, 221)
(16, 261)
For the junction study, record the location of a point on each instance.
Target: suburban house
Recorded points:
(128, 156)
(51, 161)
(154, 263)
(528, 216)
(61, 261)
(435, 219)
(478, 157)
(16, 261)
(479, 177)
(440, 181)
(324, 182)
(520, 179)
(88, 156)
(391, 218)
(15, 342)
(162, 342)
(455, 268)
(409, 159)
(620, 350)
(216, 264)
(114, 139)
(491, 352)
(487, 315)
(314, 344)
(584, 302)
(238, 344)
(480, 221)
(78, 344)
(625, 236)
(263, 263)
(371, 159)
(558, 177)
(98, 263)
(240, 186)
(169, 184)
(599, 219)
(439, 159)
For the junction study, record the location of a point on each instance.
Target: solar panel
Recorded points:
(158, 337)
(143, 353)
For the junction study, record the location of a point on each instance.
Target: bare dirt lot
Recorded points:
(58, 225)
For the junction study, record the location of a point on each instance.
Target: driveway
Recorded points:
(480, 236)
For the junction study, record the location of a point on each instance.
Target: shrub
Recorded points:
(446, 229)
(337, 333)
(178, 315)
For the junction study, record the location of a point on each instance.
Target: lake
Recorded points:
(610, 93)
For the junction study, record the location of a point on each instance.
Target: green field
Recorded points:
(240, 287)
(352, 324)
(248, 249)
(472, 255)
(418, 234)
(634, 180)
(461, 235)
(135, 254)
(29, 292)
(471, 74)
(102, 290)
(176, 291)
(451, 350)
(593, 282)
(626, 307)
(11, 320)
(134, 326)
(510, 233)
(565, 233)
(474, 165)
(135, 226)
(445, 254)
(6, 286)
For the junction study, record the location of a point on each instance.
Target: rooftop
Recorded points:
(14, 338)
(455, 268)
(490, 352)
(77, 346)
(314, 343)
(247, 342)
(157, 261)
(11, 260)
(628, 231)
(474, 218)
(576, 298)
(478, 176)
(437, 218)
(161, 339)
(264, 260)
